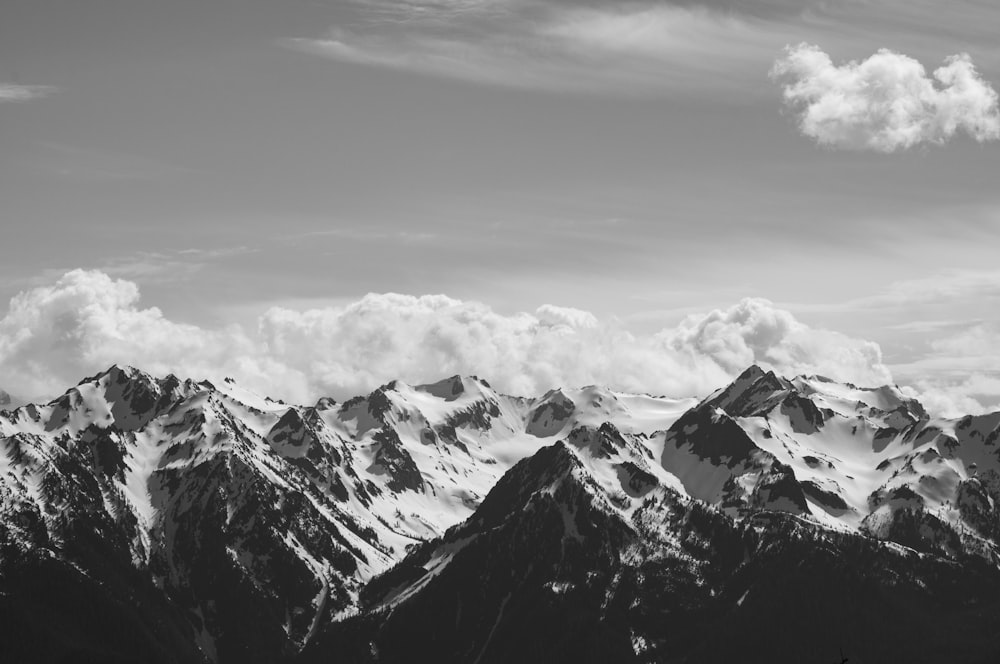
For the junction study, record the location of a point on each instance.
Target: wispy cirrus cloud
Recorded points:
(642, 46)
(886, 102)
(974, 290)
(149, 267)
(16, 92)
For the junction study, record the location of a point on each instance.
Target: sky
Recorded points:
(318, 196)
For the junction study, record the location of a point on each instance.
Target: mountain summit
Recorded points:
(168, 520)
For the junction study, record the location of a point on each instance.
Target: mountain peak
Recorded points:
(451, 388)
(127, 396)
(325, 403)
(752, 373)
(117, 373)
(754, 391)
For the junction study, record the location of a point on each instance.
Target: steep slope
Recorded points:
(179, 490)
(527, 577)
(562, 563)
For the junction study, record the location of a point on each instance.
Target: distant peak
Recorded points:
(446, 388)
(291, 418)
(751, 392)
(325, 403)
(453, 387)
(753, 372)
(394, 385)
(123, 370)
(818, 378)
(753, 375)
(118, 374)
(555, 394)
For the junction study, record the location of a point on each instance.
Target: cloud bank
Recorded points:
(53, 335)
(887, 102)
(967, 370)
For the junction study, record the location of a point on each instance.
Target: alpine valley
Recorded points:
(147, 519)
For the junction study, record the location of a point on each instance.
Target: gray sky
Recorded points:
(634, 160)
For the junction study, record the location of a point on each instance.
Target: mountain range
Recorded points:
(159, 519)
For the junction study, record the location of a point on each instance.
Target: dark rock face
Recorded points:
(551, 414)
(827, 499)
(477, 416)
(712, 436)
(979, 502)
(402, 473)
(805, 417)
(754, 392)
(779, 490)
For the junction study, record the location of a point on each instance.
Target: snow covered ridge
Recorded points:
(229, 527)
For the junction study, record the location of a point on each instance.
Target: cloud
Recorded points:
(754, 330)
(970, 350)
(973, 395)
(15, 92)
(549, 314)
(981, 341)
(641, 48)
(960, 374)
(943, 286)
(887, 102)
(53, 335)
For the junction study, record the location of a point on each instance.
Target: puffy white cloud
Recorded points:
(974, 394)
(549, 314)
(54, 335)
(887, 102)
(756, 331)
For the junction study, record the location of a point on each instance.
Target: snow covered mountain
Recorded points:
(259, 521)
(167, 520)
(853, 459)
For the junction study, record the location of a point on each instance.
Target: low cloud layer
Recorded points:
(962, 375)
(15, 92)
(887, 102)
(53, 335)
